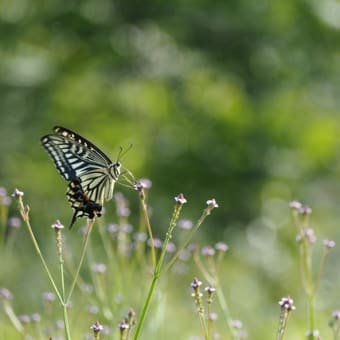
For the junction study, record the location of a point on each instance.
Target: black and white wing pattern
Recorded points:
(82, 163)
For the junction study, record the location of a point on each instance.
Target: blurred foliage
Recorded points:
(236, 100)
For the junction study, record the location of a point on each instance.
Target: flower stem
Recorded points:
(157, 270)
(82, 256)
(24, 211)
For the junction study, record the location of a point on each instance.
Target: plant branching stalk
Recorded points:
(158, 268)
(187, 240)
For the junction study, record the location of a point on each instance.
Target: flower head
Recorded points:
(57, 226)
(5, 294)
(99, 268)
(295, 205)
(211, 205)
(196, 283)
(220, 246)
(14, 222)
(17, 193)
(287, 303)
(329, 243)
(97, 327)
(208, 251)
(180, 199)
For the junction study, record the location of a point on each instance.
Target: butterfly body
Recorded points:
(90, 173)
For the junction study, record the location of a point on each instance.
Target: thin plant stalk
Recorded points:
(82, 255)
(213, 279)
(158, 268)
(62, 279)
(148, 225)
(307, 262)
(306, 237)
(12, 316)
(322, 267)
(24, 211)
(187, 240)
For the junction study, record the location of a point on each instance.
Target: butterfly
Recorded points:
(90, 173)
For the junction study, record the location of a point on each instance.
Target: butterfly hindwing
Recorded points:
(80, 202)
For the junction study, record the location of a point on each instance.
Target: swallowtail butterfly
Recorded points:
(90, 173)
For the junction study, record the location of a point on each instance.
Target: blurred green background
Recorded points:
(236, 100)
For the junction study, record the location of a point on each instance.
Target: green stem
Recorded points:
(187, 240)
(283, 324)
(25, 216)
(146, 306)
(226, 312)
(307, 262)
(147, 221)
(321, 269)
(62, 279)
(158, 269)
(12, 316)
(82, 256)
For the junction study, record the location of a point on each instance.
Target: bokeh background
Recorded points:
(236, 100)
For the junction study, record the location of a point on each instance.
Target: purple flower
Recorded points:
(3, 192)
(156, 242)
(212, 203)
(99, 268)
(296, 205)
(123, 326)
(196, 283)
(145, 183)
(287, 303)
(208, 251)
(57, 225)
(180, 199)
(237, 324)
(112, 228)
(223, 247)
(185, 224)
(210, 290)
(5, 294)
(14, 222)
(6, 200)
(48, 296)
(336, 314)
(35, 317)
(329, 243)
(171, 247)
(17, 193)
(126, 228)
(24, 318)
(97, 327)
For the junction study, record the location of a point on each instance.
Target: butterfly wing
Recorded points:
(72, 154)
(91, 173)
(80, 202)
